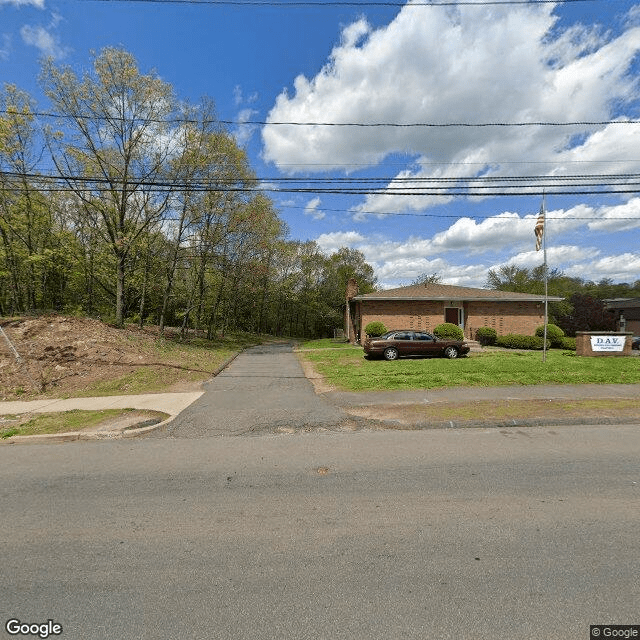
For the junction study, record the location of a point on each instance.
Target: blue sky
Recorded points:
(488, 63)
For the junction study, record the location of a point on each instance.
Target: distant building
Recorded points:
(424, 307)
(627, 313)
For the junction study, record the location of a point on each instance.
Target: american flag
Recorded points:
(540, 228)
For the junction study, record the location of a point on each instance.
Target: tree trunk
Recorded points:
(120, 271)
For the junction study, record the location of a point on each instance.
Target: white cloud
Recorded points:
(5, 47)
(468, 235)
(24, 3)
(620, 268)
(45, 39)
(332, 242)
(497, 64)
(244, 132)
(507, 238)
(311, 209)
(556, 255)
(618, 218)
(239, 97)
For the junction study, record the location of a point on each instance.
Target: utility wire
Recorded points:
(349, 3)
(253, 183)
(542, 185)
(294, 123)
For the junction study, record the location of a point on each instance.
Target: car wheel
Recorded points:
(390, 354)
(451, 352)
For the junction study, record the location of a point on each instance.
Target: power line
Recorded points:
(593, 179)
(416, 214)
(349, 3)
(294, 123)
(497, 187)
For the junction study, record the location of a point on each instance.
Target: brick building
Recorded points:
(423, 307)
(627, 313)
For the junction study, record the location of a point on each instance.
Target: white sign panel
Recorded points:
(607, 343)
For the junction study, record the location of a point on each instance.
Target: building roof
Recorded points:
(452, 293)
(622, 303)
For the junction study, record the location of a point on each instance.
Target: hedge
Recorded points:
(375, 329)
(486, 336)
(554, 333)
(517, 341)
(449, 331)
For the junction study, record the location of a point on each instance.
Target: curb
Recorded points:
(396, 425)
(120, 434)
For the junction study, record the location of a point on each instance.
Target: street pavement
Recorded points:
(459, 534)
(465, 534)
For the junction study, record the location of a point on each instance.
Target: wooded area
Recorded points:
(582, 308)
(150, 213)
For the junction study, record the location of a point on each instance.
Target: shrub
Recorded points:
(517, 341)
(375, 329)
(569, 343)
(449, 331)
(554, 334)
(486, 336)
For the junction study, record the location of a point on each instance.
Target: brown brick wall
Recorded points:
(401, 314)
(504, 317)
(634, 327)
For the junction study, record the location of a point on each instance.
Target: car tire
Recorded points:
(390, 353)
(451, 352)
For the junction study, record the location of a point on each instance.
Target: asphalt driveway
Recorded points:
(263, 390)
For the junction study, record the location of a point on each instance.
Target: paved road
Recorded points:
(476, 534)
(263, 390)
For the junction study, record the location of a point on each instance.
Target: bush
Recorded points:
(486, 336)
(569, 344)
(375, 329)
(554, 334)
(449, 331)
(517, 341)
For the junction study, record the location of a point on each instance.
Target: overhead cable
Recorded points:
(551, 185)
(294, 123)
(349, 3)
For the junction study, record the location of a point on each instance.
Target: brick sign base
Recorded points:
(584, 348)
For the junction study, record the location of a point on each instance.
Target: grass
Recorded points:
(531, 409)
(504, 412)
(326, 343)
(176, 362)
(349, 371)
(62, 422)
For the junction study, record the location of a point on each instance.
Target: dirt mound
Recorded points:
(61, 354)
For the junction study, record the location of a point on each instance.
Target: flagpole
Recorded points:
(541, 243)
(546, 279)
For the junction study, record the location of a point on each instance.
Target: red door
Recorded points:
(452, 315)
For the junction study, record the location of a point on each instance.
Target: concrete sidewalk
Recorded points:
(170, 403)
(284, 398)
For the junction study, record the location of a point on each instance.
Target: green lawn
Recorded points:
(326, 343)
(61, 422)
(348, 370)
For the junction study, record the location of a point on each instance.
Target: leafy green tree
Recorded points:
(32, 251)
(116, 141)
